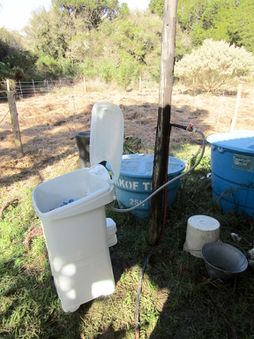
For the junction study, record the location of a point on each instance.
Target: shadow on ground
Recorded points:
(189, 304)
(184, 304)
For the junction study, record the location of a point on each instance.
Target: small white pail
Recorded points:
(201, 229)
(111, 232)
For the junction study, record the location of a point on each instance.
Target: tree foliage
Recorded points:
(15, 61)
(106, 40)
(92, 12)
(213, 65)
(229, 20)
(156, 7)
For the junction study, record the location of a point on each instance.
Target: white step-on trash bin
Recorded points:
(71, 208)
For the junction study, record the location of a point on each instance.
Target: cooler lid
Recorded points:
(106, 137)
(141, 165)
(239, 141)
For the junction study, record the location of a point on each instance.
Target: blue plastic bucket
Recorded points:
(135, 181)
(232, 160)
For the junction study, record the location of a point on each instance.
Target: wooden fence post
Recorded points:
(161, 151)
(20, 89)
(140, 85)
(237, 105)
(84, 85)
(14, 119)
(33, 86)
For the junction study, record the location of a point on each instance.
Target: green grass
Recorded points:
(178, 300)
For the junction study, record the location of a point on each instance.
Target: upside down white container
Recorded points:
(201, 229)
(76, 233)
(111, 232)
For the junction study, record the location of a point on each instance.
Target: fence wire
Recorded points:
(5, 115)
(25, 89)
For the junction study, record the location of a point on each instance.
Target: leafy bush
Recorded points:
(183, 43)
(213, 65)
(106, 70)
(156, 7)
(67, 67)
(88, 69)
(4, 71)
(48, 66)
(127, 72)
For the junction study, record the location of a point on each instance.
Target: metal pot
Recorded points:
(223, 261)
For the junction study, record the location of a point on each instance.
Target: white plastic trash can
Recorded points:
(71, 208)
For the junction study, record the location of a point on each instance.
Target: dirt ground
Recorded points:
(49, 123)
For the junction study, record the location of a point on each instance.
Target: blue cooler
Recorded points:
(232, 160)
(135, 181)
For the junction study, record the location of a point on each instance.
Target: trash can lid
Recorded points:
(141, 165)
(106, 138)
(239, 141)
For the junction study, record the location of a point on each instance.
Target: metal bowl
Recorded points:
(223, 261)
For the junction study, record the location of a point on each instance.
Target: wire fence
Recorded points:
(4, 117)
(67, 98)
(68, 101)
(25, 89)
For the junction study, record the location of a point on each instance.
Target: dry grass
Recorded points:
(50, 122)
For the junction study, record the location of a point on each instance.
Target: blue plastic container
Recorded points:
(135, 181)
(232, 159)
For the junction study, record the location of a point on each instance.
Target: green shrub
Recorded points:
(4, 71)
(67, 67)
(87, 68)
(213, 65)
(48, 67)
(127, 72)
(106, 70)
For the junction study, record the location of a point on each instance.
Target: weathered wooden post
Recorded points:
(14, 119)
(161, 151)
(84, 85)
(33, 86)
(20, 89)
(140, 85)
(237, 105)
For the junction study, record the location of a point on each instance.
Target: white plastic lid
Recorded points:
(203, 223)
(106, 137)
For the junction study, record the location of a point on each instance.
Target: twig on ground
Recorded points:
(33, 232)
(12, 202)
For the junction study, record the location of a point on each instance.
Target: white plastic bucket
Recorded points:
(201, 229)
